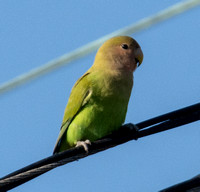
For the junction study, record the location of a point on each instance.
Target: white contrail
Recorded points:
(92, 46)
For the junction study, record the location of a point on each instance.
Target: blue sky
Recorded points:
(34, 32)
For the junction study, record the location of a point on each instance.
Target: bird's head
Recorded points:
(119, 53)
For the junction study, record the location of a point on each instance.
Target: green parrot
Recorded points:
(98, 102)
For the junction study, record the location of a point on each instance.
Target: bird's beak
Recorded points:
(139, 56)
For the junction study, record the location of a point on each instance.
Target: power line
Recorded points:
(126, 133)
(92, 46)
(191, 185)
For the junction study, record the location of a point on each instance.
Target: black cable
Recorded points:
(168, 116)
(126, 133)
(191, 185)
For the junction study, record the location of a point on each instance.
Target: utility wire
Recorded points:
(191, 185)
(165, 14)
(126, 133)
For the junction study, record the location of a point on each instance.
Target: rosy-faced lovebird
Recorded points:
(98, 101)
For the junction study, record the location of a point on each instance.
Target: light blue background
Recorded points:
(34, 32)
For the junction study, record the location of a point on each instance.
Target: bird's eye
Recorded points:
(124, 46)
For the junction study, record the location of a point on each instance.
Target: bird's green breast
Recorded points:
(106, 109)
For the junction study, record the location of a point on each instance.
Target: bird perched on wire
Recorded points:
(98, 102)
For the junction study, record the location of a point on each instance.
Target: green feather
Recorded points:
(98, 102)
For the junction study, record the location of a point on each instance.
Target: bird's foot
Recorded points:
(134, 129)
(84, 144)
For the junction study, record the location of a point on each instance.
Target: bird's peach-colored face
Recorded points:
(129, 54)
(122, 53)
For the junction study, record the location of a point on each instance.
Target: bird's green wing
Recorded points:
(80, 95)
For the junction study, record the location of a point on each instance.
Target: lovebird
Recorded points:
(98, 101)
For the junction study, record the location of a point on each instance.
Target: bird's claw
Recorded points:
(84, 144)
(134, 129)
